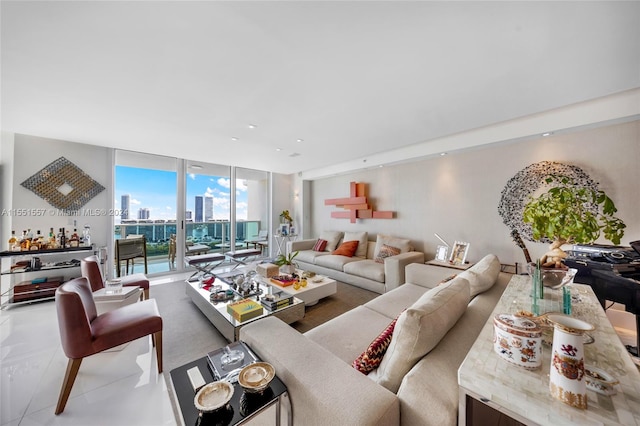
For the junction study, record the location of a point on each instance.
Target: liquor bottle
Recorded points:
(52, 239)
(13, 241)
(36, 241)
(25, 243)
(62, 239)
(74, 241)
(86, 236)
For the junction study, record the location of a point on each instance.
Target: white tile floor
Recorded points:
(120, 387)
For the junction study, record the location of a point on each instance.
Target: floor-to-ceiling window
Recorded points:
(184, 207)
(146, 193)
(208, 204)
(252, 205)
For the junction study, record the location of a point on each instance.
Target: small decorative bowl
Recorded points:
(599, 380)
(213, 396)
(256, 377)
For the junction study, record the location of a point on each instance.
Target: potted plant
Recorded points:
(285, 217)
(571, 213)
(286, 263)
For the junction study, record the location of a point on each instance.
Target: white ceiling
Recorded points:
(350, 78)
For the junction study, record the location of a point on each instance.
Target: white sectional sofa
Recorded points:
(408, 387)
(360, 270)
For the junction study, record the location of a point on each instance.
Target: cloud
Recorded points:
(225, 183)
(134, 201)
(192, 176)
(241, 185)
(168, 208)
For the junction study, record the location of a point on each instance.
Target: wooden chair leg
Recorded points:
(157, 338)
(69, 377)
(146, 294)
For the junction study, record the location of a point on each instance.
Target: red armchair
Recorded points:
(90, 268)
(84, 333)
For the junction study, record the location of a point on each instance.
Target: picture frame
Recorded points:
(283, 229)
(459, 253)
(441, 253)
(292, 230)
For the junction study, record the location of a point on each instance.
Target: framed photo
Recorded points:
(292, 230)
(459, 253)
(283, 229)
(441, 253)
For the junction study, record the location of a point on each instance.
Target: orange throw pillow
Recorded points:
(348, 248)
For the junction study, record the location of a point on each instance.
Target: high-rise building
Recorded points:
(199, 208)
(125, 205)
(208, 208)
(188, 215)
(143, 213)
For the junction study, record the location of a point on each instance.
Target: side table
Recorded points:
(449, 265)
(281, 242)
(271, 407)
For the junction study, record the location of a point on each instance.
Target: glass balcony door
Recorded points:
(146, 192)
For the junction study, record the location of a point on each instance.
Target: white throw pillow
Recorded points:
(362, 238)
(419, 329)
(332, 237)
(483, 275)
(402, 243)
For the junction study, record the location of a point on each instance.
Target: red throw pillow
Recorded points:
(386, 251)
(371, 358)
(320, 245)
(348, 248)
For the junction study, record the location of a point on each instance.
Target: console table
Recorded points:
(524, 395)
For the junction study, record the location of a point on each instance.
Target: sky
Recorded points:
(156, 190)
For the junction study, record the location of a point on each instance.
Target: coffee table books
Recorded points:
(214, 359)
(244, 309)
(276, 300)
(283, 280)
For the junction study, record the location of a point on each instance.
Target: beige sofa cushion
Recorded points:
(348, 334)
(402, 243)
(392, 303)
(332, 237)
(309, 256)
(420, 328)
(366, 268)
(482, 275)
(362, 238)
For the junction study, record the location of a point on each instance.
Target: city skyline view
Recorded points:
(156, 190)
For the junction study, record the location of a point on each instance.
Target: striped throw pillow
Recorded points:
(320, 245)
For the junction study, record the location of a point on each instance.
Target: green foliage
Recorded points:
(573, 213)
(285, 260)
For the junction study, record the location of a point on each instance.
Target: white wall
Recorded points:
(457, 195)
(32, 154)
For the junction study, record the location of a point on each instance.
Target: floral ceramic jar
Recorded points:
(517, 340)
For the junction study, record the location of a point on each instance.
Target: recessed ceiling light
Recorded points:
(278, 149)
(299, 140)
(234, 138)
(252, 126)
(547, 134)
(196, 166)
(442, 154)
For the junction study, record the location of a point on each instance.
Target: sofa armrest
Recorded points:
(428, 276)
(300, 245)
(394, 267)
(323, 389)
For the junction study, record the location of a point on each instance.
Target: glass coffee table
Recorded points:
(225, 323)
